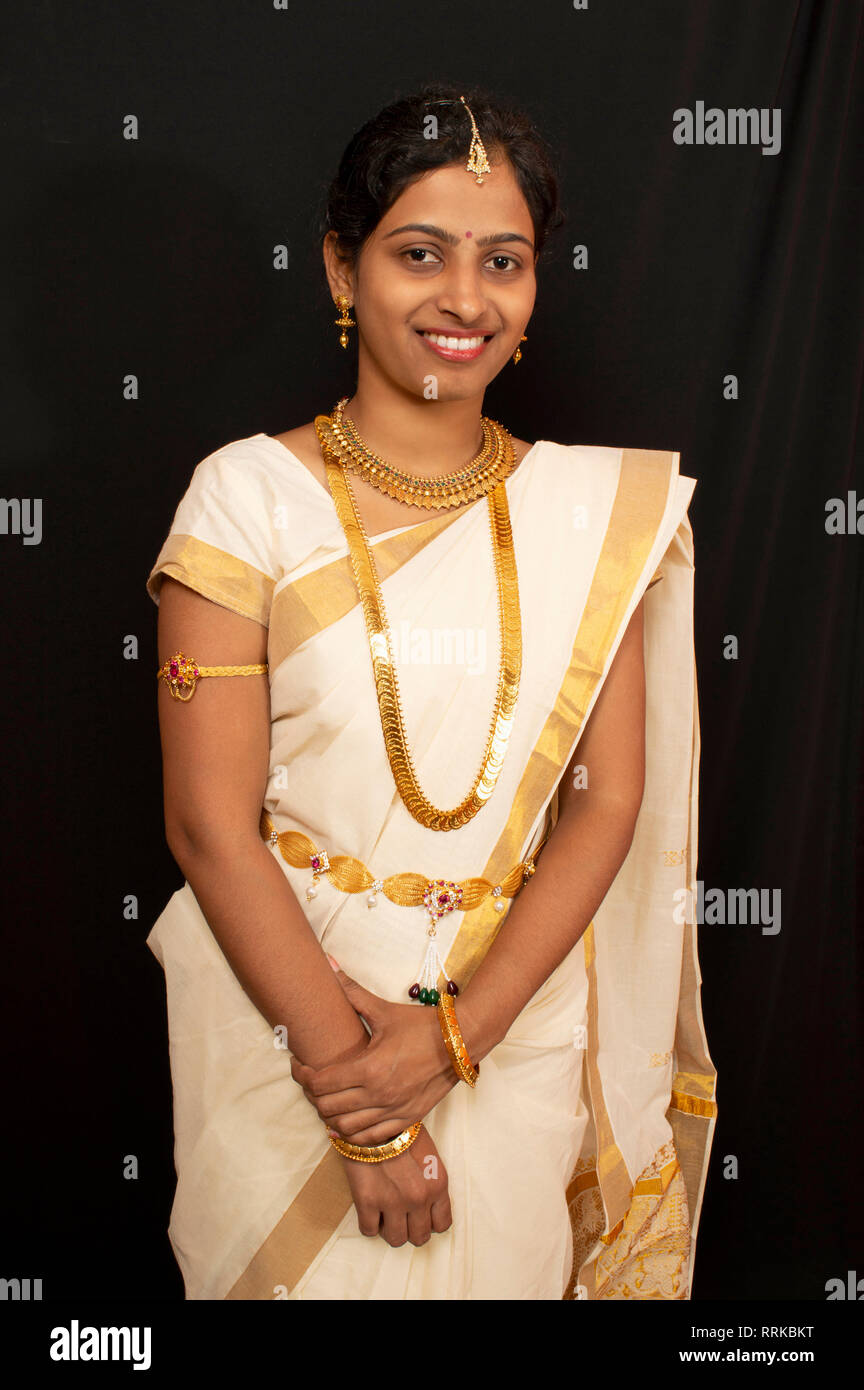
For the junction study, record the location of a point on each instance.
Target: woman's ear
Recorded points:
(338, 270)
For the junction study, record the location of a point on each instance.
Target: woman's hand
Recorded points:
(404, 1198)
(396, 1080)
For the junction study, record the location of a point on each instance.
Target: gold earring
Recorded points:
(518, 353)
(343, 304)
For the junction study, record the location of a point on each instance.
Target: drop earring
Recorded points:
(343, 304)
(518, 353)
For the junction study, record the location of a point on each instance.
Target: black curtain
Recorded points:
(706, 262)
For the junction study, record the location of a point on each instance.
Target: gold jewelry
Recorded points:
(477, 162)
(181, 673)
(518, 353)
(384, 669)
(439, 896)
(343, 304)
(495, 461)
(377, 1153)
(351, 875)
(455, 1043)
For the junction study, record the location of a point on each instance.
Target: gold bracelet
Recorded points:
(454, 1042)
(377, 1153)
(180, 673)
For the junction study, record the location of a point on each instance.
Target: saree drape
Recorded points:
(577, 1166)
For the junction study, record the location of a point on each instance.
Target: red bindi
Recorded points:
(467, 233)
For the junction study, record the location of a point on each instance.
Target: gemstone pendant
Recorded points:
(441, 896)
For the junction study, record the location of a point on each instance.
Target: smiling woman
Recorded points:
(414, 1057)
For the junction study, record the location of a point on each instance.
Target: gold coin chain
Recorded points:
(383, 665)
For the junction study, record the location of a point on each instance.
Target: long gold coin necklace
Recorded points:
(343, 452)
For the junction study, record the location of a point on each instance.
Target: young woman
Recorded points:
(412, 1056)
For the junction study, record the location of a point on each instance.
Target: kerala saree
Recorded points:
(577, 1165)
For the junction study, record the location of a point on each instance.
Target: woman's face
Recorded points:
(451, 259)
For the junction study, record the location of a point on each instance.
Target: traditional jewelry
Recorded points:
(438, 896)
(343, 303)
(517, 356)
(496, 460)
(455, 1043)
(377, 1153)
(181, 673)
(384, 669)
(477, 162)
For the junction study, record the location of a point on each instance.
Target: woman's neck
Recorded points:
(424, 437)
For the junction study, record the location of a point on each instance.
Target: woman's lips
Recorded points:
(445, 345)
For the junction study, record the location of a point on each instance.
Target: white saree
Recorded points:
(577, 1165)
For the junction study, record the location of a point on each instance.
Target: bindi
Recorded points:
(467, 233)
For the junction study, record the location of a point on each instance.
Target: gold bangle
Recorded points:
(377, 1153)
(180, 673)
(454, 1041)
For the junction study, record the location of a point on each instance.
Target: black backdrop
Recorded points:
(155, 257)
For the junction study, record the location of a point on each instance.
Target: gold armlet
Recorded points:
(377, 1153)
(181, 673)
(454, 1043)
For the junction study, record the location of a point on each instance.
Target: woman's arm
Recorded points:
(580, 861)
(215, 755)
(403, 1069)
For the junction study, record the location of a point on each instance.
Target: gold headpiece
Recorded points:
(477, 162)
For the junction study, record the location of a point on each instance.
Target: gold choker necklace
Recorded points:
(495, 462)
(381, 649)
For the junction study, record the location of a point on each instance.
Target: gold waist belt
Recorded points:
(351, 875)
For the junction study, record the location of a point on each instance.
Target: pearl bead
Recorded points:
(499, 904)
(371, 900)
(311, 893)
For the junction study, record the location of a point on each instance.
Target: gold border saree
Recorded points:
(603, 1092)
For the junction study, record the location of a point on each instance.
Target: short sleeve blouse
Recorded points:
(222, 540)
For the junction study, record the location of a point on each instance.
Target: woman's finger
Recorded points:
(345, 1103)
(441, 1214)
(369, 1220)
(419, 1226)
(394, 1228)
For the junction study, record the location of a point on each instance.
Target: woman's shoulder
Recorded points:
(262, 462)
(302, 445)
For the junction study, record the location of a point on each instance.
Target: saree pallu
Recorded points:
(577, 1166)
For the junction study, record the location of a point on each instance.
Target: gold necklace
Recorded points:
(495, 462)
(384, 667)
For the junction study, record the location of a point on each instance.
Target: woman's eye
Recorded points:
(502, 257)
(419, 251)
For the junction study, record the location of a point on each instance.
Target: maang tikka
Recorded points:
(477, 161)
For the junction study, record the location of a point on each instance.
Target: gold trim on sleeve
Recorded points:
(215, 574)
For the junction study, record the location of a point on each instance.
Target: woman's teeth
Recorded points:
(454, 344)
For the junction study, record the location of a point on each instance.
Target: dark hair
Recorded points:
(391, 150)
